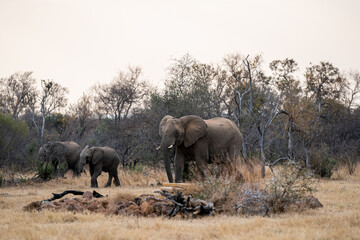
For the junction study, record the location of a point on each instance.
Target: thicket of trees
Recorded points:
(285, 115)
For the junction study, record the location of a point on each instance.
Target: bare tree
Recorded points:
(16, 92)
(116, 99)
(263, 114)
(353, 89)
(82, 111)
(242, 73)
(52, 97)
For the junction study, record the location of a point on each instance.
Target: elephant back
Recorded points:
(222, 132)
(72, 149)
(110, 152)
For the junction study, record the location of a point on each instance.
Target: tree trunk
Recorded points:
(36, 126)
(244, 149)
(290, 141)
(42, 130)
(262, 152)
(307, 158)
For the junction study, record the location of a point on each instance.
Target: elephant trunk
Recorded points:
(167, 161)
(78, 168)
(166, 145)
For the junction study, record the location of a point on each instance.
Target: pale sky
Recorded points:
(79, 43)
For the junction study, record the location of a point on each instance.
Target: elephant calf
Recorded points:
(101, 159)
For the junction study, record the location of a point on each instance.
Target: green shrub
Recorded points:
(13, 135)
(31, 150)
(23, 179)
(62, 168)
(44, 170)
(32, 147)
(322, 162)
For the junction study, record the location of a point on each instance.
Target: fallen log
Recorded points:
(165, 204)
(187, 205)
(74, 192)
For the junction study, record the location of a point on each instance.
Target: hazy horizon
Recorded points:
(80, 43)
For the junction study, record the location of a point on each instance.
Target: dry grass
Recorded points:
(338, 219)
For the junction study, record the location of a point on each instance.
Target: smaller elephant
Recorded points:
(62, 152)
(101, 159)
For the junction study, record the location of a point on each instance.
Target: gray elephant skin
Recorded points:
(62, 152)
(101, 159)
(198, 139)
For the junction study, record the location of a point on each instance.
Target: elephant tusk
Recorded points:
(158, 147)
(171, 146)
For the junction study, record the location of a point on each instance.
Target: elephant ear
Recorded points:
(44, 150)
(97, 155)
(47, 147)
(163, 123)
(195, 128)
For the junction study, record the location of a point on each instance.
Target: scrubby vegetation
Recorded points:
(311, 120)
(288, 187)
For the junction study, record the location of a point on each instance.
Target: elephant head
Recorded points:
(91, 155)
(45, 152)
(42, 154)
(174, 132)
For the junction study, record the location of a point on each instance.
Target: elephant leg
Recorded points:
(55, 164)
(231, 158)
(232, 168)
(116, 178)
(91, 170)
(62, 163)
(201, 155)
(108, 184)
(96, 173)
(200, 163)
(179, 166)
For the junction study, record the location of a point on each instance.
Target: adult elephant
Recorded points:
(62, 152)
(101, 159)
(198, 139)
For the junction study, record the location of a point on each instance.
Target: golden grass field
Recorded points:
(338, 219)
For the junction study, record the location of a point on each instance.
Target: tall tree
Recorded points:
(289, 91)
(188, 88)
(324, 81)
(283, 77)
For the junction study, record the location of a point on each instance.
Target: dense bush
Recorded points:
(13, 137)
(289, 184)
(322, 162)
(289, 188)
